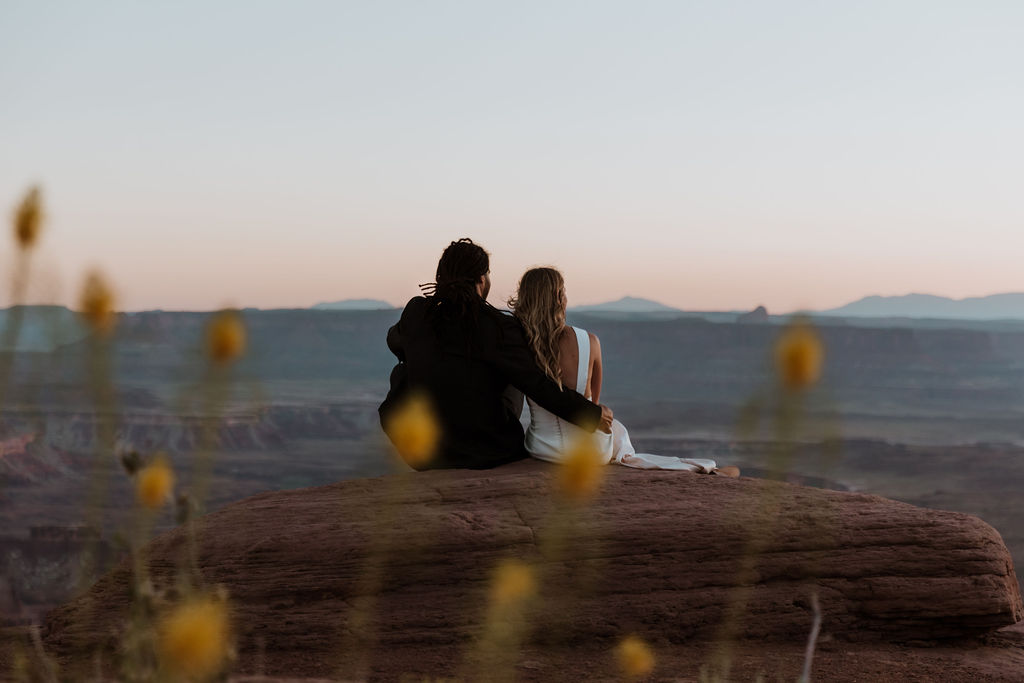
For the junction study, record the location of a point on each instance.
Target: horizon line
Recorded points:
(391, 306)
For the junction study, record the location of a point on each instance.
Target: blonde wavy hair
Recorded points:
(539, 306)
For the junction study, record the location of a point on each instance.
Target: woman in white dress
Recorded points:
(572, 357)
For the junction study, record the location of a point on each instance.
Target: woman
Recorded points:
(572, 357)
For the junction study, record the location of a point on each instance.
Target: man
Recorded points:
(463, 354)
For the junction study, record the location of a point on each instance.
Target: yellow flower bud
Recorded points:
(582, 470)
(97, 303)
(193, 638)
(635, 657)
(225, 337)
(414, 430)
(513, 582)
(28, 219)
(798, 356)
(154, 483)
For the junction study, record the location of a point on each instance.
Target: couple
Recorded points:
(475, 363)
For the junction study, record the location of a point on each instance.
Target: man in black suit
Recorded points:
(464, 355)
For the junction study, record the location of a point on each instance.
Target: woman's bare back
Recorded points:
(568, 352)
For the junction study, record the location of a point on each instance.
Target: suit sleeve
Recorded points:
(515, 360)
(395, 341)
(399, 374)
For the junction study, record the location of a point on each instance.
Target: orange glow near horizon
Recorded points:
(796, 155)
(184, 278)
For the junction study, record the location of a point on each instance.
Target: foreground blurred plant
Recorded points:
(96, 306)
(563, 574)
(798, 357)
(29, 661)
(96, 303)
(189, 641)
(154, 483)
(414, 430)
(97, 310)
(28, 218)
(154, 486)
(513, 582)
(224, 342)
(194, 638)
(225, 337)
(812, 639)
(27, 223)
(635, 658)
(582, 471)
(513, 585)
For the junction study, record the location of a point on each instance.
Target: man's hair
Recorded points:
(462, 265)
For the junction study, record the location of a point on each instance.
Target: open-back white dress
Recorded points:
(549, 437)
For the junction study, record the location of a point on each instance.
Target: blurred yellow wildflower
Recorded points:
(97, 303)
(513, 582)
(225, 336)
(582, 470)
(798, 356)
(20, 666)
(414, 430)
(154, 483)
(28, 219)
(635, 657)
(193, 638)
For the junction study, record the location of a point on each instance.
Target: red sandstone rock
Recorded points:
(657, 554)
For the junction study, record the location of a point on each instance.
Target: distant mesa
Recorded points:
(354, 305)
(758, 315)
(627, 304)
(42, 328)
(994, 307)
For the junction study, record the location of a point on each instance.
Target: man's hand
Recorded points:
(605, 425)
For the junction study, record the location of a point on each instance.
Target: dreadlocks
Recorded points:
(462, 265)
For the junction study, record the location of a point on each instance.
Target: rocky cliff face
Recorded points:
(42, 570)
(47, 446)
(679, 359)
(659, 554)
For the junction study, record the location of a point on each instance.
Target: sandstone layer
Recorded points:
(668, 556)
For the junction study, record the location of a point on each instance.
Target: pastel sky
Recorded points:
(709, 155)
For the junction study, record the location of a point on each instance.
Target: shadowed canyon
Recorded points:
(921, 413)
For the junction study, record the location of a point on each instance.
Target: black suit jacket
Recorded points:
(464, 364)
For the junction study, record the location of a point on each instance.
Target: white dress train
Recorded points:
(548, 436)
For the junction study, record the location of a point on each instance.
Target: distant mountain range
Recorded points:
(627, 304)
(45, 327)
(994, 307)
(1008, 306)
(354, 305)
(39, 328)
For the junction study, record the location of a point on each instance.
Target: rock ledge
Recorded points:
(657, 554)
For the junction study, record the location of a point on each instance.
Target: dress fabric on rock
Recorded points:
(549, 437)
